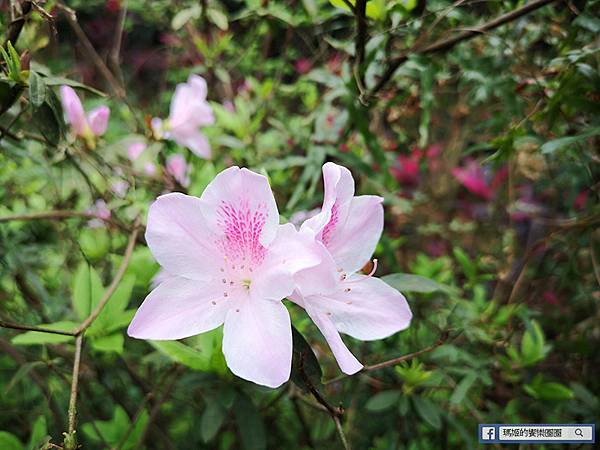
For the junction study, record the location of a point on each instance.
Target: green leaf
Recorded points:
(39, 434)
(9, 94)
(250, 424)
(114, 308)
(185, 15)
(48, 118)
(218, 18)
(468, 266)
(556, 144)
(9, 441)
(211, 421)
(383, 401)
(428, 411)
(110, 343)
(533, 346)
(405, 282)
(21, 373)
(37, 89)
(183, 354)
(59, 81)
(39, 338)
(305, 366)
(87, 290)
(94, 243)
(462, 388)
(551, 391)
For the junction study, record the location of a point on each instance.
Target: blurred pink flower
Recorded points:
(303, 65)
(135, 149)
(406, 170)
(94, 124)
(178, 168)
(550, 297)
(230, 262)
(472, 177)
(336, 297)
(581, 200)
(120, 188)
(189, 111)
(150, 169)
(102, 213)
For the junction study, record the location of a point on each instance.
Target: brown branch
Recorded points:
(448, 43)
(91, 52)
(395, 361)
(15, 27)
(70, 441)
(51, 215)
(18, 326)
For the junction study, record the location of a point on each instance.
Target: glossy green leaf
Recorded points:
(306, 370)
(249, 423)
(383, 401)
(9, 441)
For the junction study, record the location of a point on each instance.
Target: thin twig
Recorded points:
(21, 327)
(70, 439)
(340, 431)
(448, 43)
(395, 361)
(91, 52)
(52, 215)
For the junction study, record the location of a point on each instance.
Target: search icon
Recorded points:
(578, 432)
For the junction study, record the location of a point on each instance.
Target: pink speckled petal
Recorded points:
(365, 308)
(257, 342)
(180, 308)
(177, 236)
(353, 243)
(74, 110)
(339, 189)
(290, 253)
(239, 209)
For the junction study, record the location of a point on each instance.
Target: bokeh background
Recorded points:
(485, 149)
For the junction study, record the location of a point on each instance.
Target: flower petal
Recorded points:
(178, 238)
(74, 110)
(189, 108)
(179, 308)
(339, 189)
(98, 120)
(365, 308)
(344, 357)
(290, 253)
(239, 208)
(193, 140)
(257, 342)
(352, 243)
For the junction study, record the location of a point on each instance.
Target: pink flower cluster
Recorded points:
(88, 126)
(226, 260)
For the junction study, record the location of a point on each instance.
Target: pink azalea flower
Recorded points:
(336, 297)
(303, 65)
(120, 188)
(231, 263)
(406, 170)
(101, 211)
(94, 124)
(472, 177)
(189, 111)
(135, 149)
(178, 168)
(150, 169)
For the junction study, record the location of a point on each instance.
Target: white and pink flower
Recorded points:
(189, 111)
(230, 263)
(85, 126)
(337, 297)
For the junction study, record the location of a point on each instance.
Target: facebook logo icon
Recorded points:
(488, 433)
